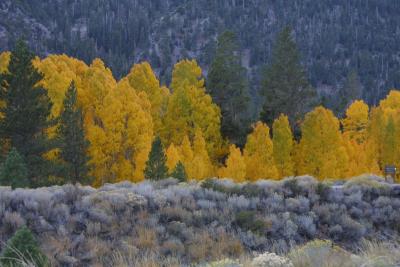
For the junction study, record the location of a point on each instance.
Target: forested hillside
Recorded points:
(335, 37)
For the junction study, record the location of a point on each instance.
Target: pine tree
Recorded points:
(228, 86)
(13, 171)
(390, 144)
(285, 85)
(26, 112)
(179, 172)
(74, 146)
(22, 247)
(283, 146)
(350, 91)
(156, 168)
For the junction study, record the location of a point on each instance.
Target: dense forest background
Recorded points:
(334, 37)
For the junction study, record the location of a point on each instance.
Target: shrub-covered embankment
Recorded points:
(199, 222)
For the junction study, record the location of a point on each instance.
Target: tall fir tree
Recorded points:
(26, 114)
(227, 84)
(73, 143)
(285, 85)
(13, 171)
(156, 168)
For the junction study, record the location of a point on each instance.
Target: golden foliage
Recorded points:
(143, 79)
(283, 143)
(235, 165)
(121, 118)
(173, 157)
(202, 166)
(258, 154)
(190, 107)
(321, 149)
(4, 61)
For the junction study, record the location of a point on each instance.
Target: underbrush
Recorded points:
(195, 223)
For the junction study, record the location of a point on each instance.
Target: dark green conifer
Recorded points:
(179, 172)
(13, 171)
(228, 86)
(26, 114)
(73, 144)
(156, 168)
(285, 85)
(22, 250)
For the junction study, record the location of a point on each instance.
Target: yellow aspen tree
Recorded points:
(322, 153)
(390, 150)
(356, 122)
(392, 101)
(355, 126)
(4, 61)
(97, 82)
(283, 144)
(187, 156)
(122, 135)
(377, 147)
(186, 73)
(202, 166)
(258, 154)
(59, 71)
(190, 107)
(173, 157)
(178, 122)
(143, 79)
(235, 166)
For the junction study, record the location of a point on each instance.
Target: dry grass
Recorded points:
(146, 239)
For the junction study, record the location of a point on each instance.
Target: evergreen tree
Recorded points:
(179, 172)
(390, 144)
(285, 85)
(13, 171)
(350, 92)
(73, 147)
(26, 111)
(156, 168)
(22, 250)
(228, 86)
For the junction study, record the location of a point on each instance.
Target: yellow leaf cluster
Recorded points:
(143, 79)
(321, 150)
(258, 154)
(190, 108)
(235, 166)
(283, 145)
